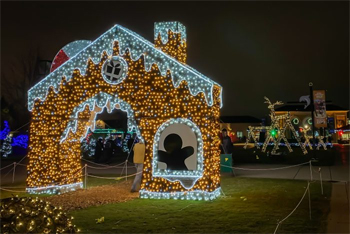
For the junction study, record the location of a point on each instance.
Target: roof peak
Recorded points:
(137, 46)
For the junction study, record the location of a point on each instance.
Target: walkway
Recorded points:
(338, 218)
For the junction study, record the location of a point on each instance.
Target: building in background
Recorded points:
(343, 134)
(337, 117)
(237, 126)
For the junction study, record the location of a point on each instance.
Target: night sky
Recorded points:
(253, 49)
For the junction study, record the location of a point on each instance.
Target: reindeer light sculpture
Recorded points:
(275, 125)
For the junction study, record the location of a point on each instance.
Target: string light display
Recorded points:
(295, 121)
(20, 140)
(9, 140)
(276, 131)
(88, 145)
(5, 131)
(307, 140)
(6, 147)
(67, 52)
(33, 215)
(158, 87)
(175, 44)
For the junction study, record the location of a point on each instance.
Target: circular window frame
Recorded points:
(296, 121)
(123, 72)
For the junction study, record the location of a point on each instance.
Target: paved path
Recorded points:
(337, 172)
(338, 218)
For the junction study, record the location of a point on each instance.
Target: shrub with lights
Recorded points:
(152, 83)
(28, 215)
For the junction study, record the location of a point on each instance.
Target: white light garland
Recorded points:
(188, 195)
(97, 104)
(54, 189)
(162, 28)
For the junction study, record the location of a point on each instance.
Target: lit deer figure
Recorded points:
(271, 106)
(253, 129)
(281, 128)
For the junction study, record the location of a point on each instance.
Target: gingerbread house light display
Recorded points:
(172, 107)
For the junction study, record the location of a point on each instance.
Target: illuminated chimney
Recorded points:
(170, 37)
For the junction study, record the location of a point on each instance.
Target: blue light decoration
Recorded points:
(5, 131)
(174, 93)
(291, 144)
(20, 140)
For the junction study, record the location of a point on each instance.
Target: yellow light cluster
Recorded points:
(174, 47)
(154, 100)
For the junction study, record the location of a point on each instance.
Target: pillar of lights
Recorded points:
(152, 83)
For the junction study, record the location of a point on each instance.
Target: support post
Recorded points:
(312, 117)
(126, 169)
(319, 171)
(308, 190)
(86, 176)
(311, 179)
(14, 171)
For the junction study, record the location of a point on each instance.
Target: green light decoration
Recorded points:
(273, 132)
(295, 121)
(309, 121)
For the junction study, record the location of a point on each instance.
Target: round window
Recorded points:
(309, 121)
(114, 70)
(295, 121)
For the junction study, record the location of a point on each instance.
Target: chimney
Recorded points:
(170, 37)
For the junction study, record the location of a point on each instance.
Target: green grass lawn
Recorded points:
(267, 201)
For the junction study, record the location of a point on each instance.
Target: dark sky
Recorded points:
(253, 49)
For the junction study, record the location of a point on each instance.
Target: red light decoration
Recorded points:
(60, 58)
